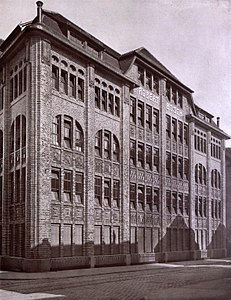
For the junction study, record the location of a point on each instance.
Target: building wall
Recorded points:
(87, 204)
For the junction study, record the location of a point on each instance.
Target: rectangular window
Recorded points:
(174, 96)
(174, 129)
(98, 143)
(20, 82)
(196, 206)
(133, 153)
(72, 83)
(107, 192)
(104, 100)
(205, 207)
(180, 99)
(149, 117)
(133, 110)
(168, 164)
(97, 97)
(116, 193)
(200, 206)
(180, 167)
(111, 103)
(148, 81)
(141, 197)
(186, 204)
(25, 79)
(180, 201)
(107, 240)
(168, 91)
(55, 240)
(56, 131)
(98, 191)
(148, 157)
(79, 187)
(67, 133)
(168, 202)
(168, 126)
(80, 89)
(23, 185)
(141, 75)
(17, 186)
(156, 200)
(67, 186)
(67, 239)
(107, 146)
(55, 184)
(133, 196)
(16, 86)
(149, 198)
(63, 82)
(156, 84)
(174, 166)
(186, 169)
(117, 106)
(97, 240)
(116, 152)
(140, 114)
(156, 159)
(186, 134)
(140, 155)
(180, 132)
(11, 90)
(78, 240)
(156, 120)
(174, 202)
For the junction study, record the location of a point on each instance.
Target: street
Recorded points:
(205, 279)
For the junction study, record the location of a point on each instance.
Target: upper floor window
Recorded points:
(106, 141)
(200, 174)
(149, 198)
(133, 110)
(18, 133)
(133, 153)
(200, 142)
(107, 98)
(141, 197)
(98, 191)
(140, 114)
(133, 196)
(18, 81)
(156, 120)
(67, 185)
(215, 179)
(55, 184)
(140, 155)
(79, 187)
(147, 79)
(71, 132)
(149, 117)
(1, 144)
(215, 148)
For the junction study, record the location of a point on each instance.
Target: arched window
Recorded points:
(17, 133)
(200, 174)
(78, 137)
(215, 179)
(67, 123)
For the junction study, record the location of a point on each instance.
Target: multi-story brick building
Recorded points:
(105, 158)
(228, 200)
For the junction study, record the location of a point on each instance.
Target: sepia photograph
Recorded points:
(115, 149)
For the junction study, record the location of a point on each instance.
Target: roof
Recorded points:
(143, 53)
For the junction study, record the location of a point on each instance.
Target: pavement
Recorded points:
(187, 280)
(11, 275)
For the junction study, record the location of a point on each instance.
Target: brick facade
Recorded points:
(106, 159)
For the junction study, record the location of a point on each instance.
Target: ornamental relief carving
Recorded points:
(157, 220)
(67, 158)
(149, 178)
(133, 174)
(79, 161)
(133, 218)
(140, 134)
(78, 213)
(98, 166)
(116, 216)
(56, 155)
(156, 140)
(98, 215)
(67, 213)
(116, 170)
(133, 131)
(148, 219)
(107, 216)
(107, 168)
(140, 219)
(55, 211)
(141, 176)
(149, 137)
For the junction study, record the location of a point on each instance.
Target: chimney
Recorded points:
(218, 121)
(39, 11)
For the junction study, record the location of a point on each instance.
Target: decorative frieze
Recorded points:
(67, 213)
(132, 131)
(116, 217)
(156, 140)
(133, 174)
(116, 170)
(149, 137)
(67, 158)
(107, 216)
(98, 215)
(133, 218)
(149, 178)
(55, 211)
(78, 213)
(140, 134)
(148, 219)
(107, 168)
(141, 176)
(98, 166)
(79, 161)
(156, 180)
(56, 155)
(140, 219)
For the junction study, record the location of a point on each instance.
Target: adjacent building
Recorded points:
(104, 158)
(228, 200)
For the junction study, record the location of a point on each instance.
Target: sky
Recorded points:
(192, 38)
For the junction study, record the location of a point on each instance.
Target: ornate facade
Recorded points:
(105, 158)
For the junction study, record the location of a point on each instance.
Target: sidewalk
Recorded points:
(9, 275)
